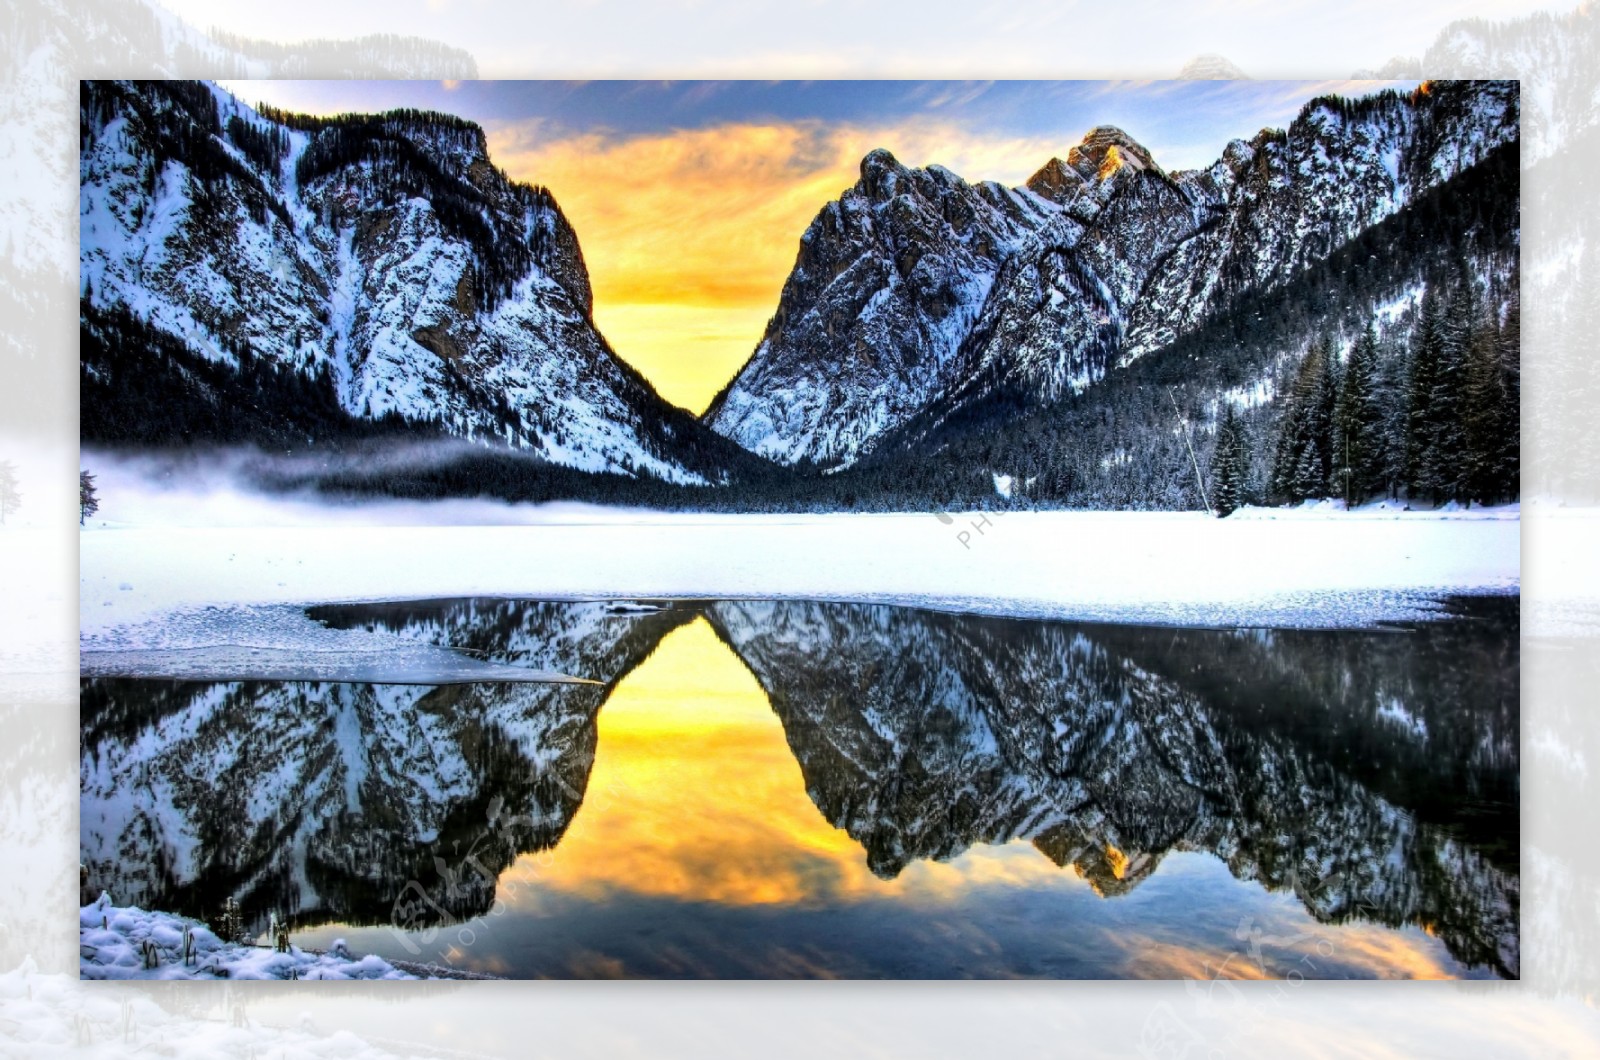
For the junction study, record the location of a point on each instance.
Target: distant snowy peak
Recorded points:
(384, 253)
(1211, 67)
(1105, 150)
(917, 293)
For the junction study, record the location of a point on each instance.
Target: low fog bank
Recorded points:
(223, 487)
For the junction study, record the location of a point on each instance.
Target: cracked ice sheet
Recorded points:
(281, 643)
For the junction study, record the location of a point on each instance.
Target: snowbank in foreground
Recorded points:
(1306, 567)
(120, 943)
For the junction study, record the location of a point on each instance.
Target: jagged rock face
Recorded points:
(922, 734)
(888, 281)
(1108, 258)
(326, 801)
(1283, 203)
(385, 253)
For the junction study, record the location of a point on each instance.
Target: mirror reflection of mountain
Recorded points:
(1371, 775)
(322, 801)
(923, 733)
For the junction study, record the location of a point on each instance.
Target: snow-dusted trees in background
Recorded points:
(1462, 420)
(1438, 424)
(1359, 425)
(1303, 464)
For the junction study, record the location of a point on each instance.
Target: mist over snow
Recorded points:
(246, 487)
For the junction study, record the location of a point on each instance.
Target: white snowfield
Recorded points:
(1304, 567)
(129, 943)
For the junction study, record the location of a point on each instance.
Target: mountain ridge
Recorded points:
(1111, 259)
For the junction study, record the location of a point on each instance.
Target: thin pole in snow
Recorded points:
(1198, 481)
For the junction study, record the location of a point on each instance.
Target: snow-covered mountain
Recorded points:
(889, 280)
(382, 259)
(917, 293)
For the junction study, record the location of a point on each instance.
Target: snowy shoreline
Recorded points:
(155, 587)
(116, 942)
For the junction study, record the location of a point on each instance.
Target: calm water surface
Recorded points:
(816, 789)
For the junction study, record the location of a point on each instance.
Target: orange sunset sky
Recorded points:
(689, 198)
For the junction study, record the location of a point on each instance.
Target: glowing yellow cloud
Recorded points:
(689, 234)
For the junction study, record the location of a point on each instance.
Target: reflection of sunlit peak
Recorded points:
(1117, 860)
(695, 795)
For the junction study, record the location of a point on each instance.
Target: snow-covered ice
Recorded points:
(1310, 566)
(280, 643)
(129, 943)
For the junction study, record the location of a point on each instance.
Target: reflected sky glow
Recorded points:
(696, 796)
(725, 805)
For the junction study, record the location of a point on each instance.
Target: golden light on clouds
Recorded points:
(695, 795)
(689, 234)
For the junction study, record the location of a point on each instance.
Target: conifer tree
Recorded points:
(88, 500)
(1485, 398)
(1427, 341)
(1358, 425)
(1446, 413)
(1229, 465)
(1304, 457)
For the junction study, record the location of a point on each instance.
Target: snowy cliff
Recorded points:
(381, 263)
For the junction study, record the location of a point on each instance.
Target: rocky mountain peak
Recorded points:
(1056, 181)
(880, 173)
(917, 296)
(1105, 149)
(1211, 67)
(382, 258)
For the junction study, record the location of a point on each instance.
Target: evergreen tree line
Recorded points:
(1436, 420)
(139, 386)
(1120, 445)
(265, 147)
(1444, 426)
